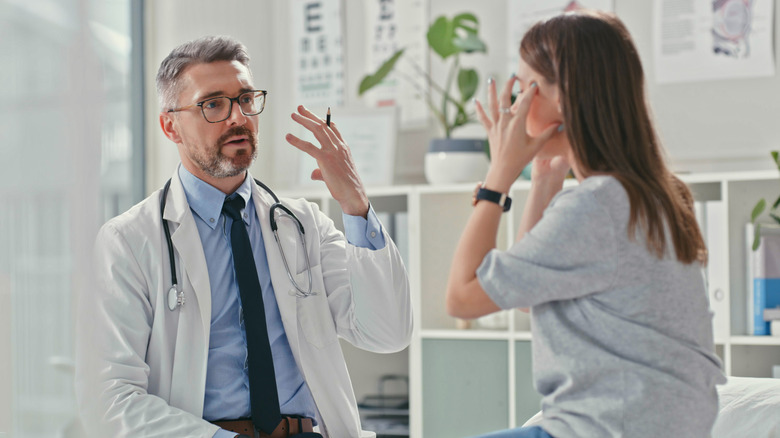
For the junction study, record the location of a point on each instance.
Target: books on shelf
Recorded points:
(772, 314)
(711, 217)
(763, 278)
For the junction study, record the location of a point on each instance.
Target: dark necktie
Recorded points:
(262, 379)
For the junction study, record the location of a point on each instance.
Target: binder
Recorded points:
(763, 276)
(402, 235)
(713, 226)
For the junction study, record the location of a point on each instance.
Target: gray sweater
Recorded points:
(622, 340)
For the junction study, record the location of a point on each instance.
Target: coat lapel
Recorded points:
(186, 241)
(194, 327)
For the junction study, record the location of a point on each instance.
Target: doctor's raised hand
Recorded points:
(334, 160)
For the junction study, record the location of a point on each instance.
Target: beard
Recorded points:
(218, 165)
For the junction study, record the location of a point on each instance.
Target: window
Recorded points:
(70, 144)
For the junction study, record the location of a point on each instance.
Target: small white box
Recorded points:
(774, 327)
(776, 371)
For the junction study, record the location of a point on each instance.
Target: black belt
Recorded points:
(289, 426)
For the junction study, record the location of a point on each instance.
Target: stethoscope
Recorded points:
(176, 296)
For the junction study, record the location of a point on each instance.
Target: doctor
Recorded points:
(191, 362)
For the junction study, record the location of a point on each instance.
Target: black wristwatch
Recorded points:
(483, 194)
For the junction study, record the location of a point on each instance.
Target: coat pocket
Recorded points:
(314, 314)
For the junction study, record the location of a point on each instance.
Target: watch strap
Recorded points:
(483, 194)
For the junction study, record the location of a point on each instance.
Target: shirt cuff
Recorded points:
(222, 433)
(364, 233)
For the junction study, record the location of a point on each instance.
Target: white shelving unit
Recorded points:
(465, 382)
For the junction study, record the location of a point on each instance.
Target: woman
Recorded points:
(611, 269)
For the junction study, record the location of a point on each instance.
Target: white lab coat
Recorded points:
(141, 368)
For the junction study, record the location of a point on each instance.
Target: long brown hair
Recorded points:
(590, 56)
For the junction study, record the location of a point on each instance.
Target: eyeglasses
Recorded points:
(218, 109)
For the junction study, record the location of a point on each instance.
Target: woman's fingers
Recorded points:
(492, 100)
(522, 105)
(483, 118)
(523, 102)
(505, 100)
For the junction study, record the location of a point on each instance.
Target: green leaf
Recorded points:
(440, 36)
(470, 44)
(468, 79)
(370, 81)
(775, 217)
(776, 157)
(757, 210)
(459, 35)
(756, 237)
(465, 27)
(466, 21)
(461, 118)
(777, 202)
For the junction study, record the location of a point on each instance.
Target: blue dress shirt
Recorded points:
(227, 379)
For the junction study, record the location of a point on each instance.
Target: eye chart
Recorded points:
(318, 55)
(392, 25)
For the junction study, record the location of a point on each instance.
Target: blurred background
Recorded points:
(72, 157)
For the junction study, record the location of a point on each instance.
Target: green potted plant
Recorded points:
(761, 206)
(448, 159)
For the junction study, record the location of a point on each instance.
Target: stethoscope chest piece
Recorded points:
(175, 298)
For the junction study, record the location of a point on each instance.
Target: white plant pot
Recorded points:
(455, 160)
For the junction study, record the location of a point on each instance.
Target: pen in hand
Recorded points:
(327, 117)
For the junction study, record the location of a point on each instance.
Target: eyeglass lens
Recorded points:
(218, 108)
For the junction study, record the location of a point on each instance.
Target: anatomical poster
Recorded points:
(698, 40)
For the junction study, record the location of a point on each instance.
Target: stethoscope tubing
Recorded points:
(176, 297)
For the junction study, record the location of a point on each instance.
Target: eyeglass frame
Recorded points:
(230, 110)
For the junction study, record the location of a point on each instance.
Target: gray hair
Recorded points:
(200, 51)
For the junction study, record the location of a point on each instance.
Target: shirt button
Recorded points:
(373, 234)
(246, 215)
(211, 220)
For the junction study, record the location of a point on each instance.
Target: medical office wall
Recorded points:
(712, 125)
